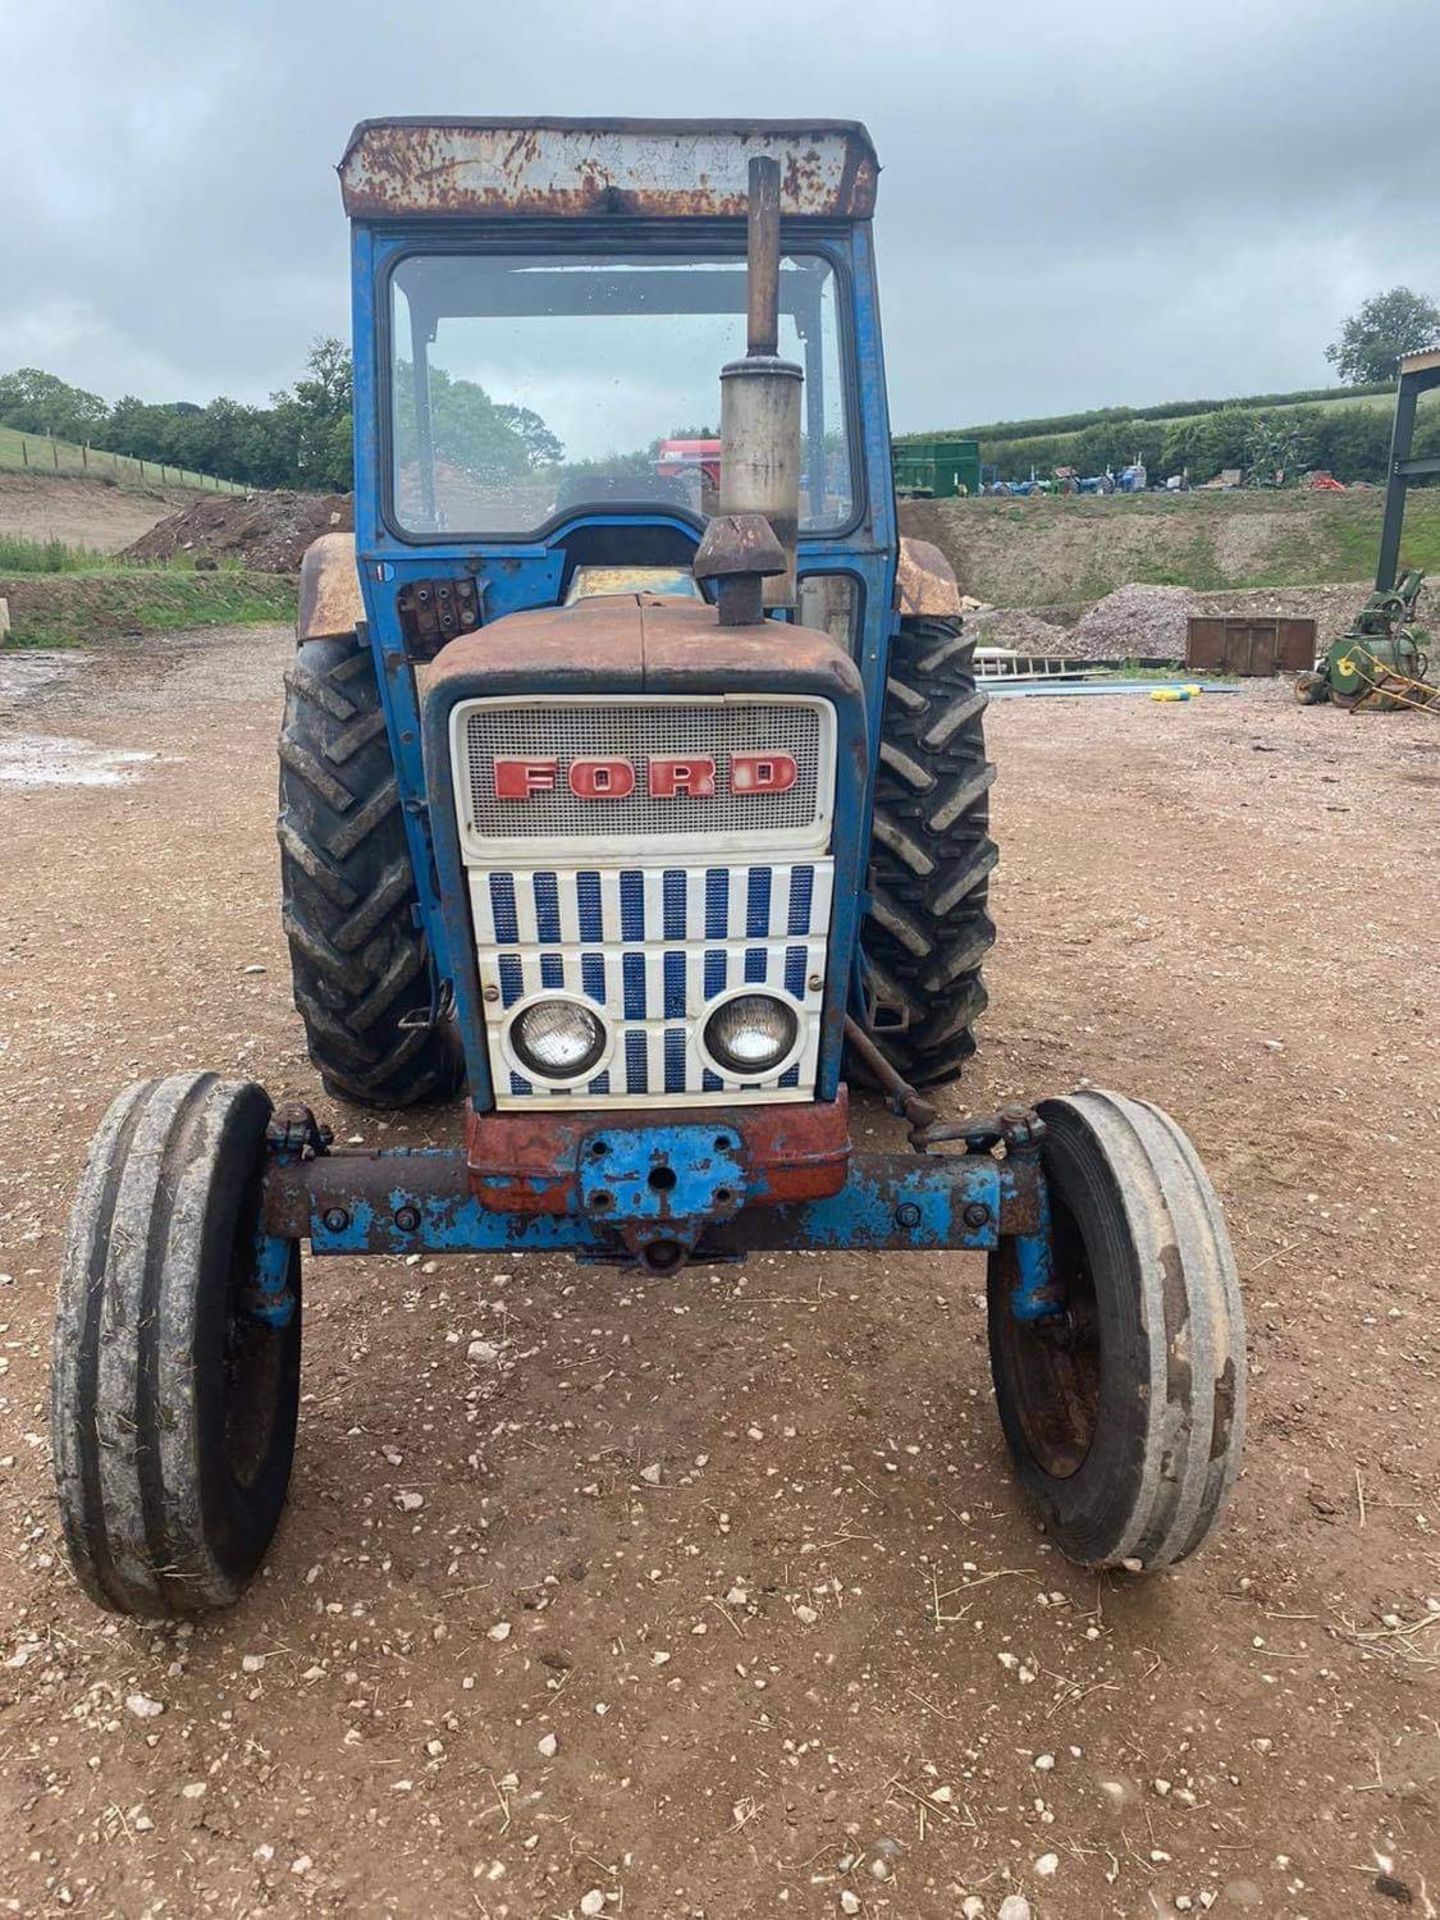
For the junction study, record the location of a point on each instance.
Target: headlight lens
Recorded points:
(558, 1039)
(751, 1034)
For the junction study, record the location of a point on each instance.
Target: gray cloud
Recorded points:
(1081, 204)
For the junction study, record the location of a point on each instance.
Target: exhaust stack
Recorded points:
(760, 395)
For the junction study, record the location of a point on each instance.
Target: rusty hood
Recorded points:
(638, 643)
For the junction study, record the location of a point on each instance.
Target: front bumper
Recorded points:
(631, 1190)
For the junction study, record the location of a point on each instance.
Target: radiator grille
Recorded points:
(652, 949)
(636, 731)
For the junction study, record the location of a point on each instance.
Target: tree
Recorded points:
(314, 419)
(1373, 339)
(37, 402)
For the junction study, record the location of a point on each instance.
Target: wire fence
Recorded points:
(26, 452)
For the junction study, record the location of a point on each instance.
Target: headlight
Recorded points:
(751, 1034)
(558, 1039)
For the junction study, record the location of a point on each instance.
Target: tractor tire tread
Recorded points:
(361, 971)
(929, 927)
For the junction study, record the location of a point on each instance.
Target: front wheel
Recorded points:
(1124, 1413)
(176, 1378)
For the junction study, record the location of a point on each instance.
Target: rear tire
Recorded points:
(1126, 1416)
(359, 962)
(174, 1393)
(931, 856)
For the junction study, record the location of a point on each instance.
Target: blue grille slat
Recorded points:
(547, 906)
(715, 971)
(587, 904)
(674, 1060)
(519, 1084)
(674, 986)
(711, 1082)
(592, 976)
(512, 978)
(717, 902)
(795, 971)
(634, 979)
(675, 903)
(754, 966)
(637, 1065)
(791, 1078)
(552, 970)
(502, 906)
(757, 905)
(632, 906)
(802, 897)
(600, 1084)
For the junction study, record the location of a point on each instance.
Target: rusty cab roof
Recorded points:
(414, 169)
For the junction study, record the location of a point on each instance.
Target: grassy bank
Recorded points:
(36, 453)
(1043, 551)
(72, 608)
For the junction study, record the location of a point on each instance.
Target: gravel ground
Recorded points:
(821, 1661)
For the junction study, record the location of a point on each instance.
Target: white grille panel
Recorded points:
(652, 948)
(563, 731)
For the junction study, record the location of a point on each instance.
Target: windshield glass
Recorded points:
(523, 385)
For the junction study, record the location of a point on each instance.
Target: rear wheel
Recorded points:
(359, 962)
(931, 856)
(1125, 1414)
(176, 1378)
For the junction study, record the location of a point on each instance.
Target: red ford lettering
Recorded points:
(694, 777)
(601, 779)
(518, 779)
(762, 772)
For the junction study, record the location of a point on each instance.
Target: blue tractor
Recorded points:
(640, 805)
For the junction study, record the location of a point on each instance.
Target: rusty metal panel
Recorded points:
(1295, 645)
(416, 168)
(330, 602)
(925, 582)
(1253, 646)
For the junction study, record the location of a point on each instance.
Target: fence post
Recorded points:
(85, 455)
(24, 452)
(55, 454)
(142, 469)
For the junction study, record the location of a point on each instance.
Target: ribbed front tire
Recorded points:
(931, 855)
(173, 1396)
(358, 960)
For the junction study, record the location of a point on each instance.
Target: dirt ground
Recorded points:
(85, 513)
(827, 1664)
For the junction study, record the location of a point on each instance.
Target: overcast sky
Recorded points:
(1084, 202)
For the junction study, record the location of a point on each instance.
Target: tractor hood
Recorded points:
(633, 644)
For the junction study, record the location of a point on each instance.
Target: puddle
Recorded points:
(50, 760)
(23, 673)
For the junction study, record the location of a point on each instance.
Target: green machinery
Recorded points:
(1381, 663)
(936, 469)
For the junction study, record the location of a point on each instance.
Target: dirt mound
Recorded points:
(1134, 623)
(266, 531)
(1019, 628)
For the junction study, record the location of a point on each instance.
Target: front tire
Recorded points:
(175, 1386)
(931, 856)
(1125, 1417)
(360, 965)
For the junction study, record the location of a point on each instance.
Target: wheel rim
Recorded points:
(254, 1370)
(1053, 1366)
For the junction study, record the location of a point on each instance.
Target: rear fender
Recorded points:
(925, 582)
(330, 602)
